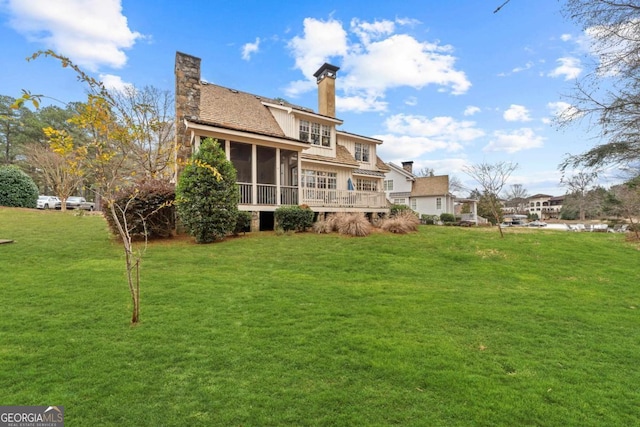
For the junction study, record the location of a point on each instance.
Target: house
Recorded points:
(284, 154)
(427, 195)
(545, 206)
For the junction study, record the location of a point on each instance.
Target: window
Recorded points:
(366, 185)
(438, 203)
(326, 136)
(304, 130)
(399, 201)
(414, 204)
(388, 185)
(319, 179)
(362, 152)
(315, 133)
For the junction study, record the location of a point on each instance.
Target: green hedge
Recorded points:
(294, 218)
(17, 189)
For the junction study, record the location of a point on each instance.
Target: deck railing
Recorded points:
(267, 194)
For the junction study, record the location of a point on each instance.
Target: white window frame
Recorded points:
(414, 204)
(320, 180)
(388, 185)
(315, 133)
(362, 152)
(363, 184)
(439, 203)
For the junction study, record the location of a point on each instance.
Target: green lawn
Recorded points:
(445, 327)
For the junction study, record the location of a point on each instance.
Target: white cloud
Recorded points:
(411, 101)
(115, 83)
(374, 59)
(566, 37)
(321, 41)
(517, 113)
(569, 68)
(250, 48)
(526, 66)
(411, 136)
(91, 33)
(471, 110)
(360, 104)
(512, 142)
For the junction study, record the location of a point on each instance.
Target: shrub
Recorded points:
(207, 195)
(17, 189)
(243, 222)
(402, 223)
(396, 209)
(447, 217)
(148, 209)
(294, 218)
(429, 219)
(353, 224)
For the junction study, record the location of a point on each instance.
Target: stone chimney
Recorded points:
(408, 166)
(326, 76)
(187, 72)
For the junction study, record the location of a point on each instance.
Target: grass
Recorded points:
(445, 327)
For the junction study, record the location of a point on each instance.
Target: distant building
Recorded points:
(427, 195)
(545, 206)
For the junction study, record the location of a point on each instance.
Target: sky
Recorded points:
(445, 84)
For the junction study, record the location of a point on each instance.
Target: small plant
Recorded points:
(396, 209)
(243, 222)
(353, 224)
(17, 189)
(294, 218)
(146, 208)
(429, 219)
(447, 217)
(401, 223)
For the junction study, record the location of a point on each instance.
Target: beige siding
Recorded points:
(287, 122)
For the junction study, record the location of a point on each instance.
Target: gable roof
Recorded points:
(430, 186)
(401, 171)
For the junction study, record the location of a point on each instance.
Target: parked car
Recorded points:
(537, 223)
(79, 203)
(47, 202)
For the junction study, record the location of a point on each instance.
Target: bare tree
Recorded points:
(517, 197)
(579, 186)
(609, 96)
(456, 185)
(426, 172)
(152, 144)
(624, 200)
(492, 178)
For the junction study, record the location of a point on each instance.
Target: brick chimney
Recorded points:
(326, 76)
(187, 72)
(408, 166)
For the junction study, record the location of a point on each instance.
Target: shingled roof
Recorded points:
(430, 186)
(343, 157)
(234, 109)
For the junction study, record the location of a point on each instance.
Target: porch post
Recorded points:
(254, 174)
(227, 149)
(300, 189)
(278, 181)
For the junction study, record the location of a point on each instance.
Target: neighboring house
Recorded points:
(284, 154)
(427, 195)
(545, 206)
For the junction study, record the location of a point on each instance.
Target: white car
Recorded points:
(48, 202)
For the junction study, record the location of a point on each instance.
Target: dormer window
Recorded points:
(315, 133)
(362, 152)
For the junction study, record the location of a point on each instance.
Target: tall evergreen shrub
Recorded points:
(207, 195)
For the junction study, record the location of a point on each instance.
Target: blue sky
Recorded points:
(443, 83)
